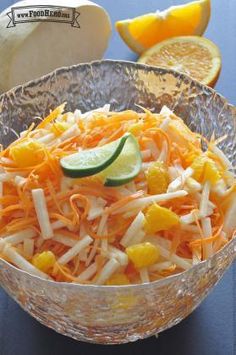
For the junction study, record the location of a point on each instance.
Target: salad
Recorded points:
(113, 198)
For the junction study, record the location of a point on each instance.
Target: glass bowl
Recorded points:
(117, 314)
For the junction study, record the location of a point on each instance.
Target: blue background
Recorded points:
(211, 329)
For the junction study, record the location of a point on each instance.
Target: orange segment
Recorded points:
(195, 56)
(143, 254)
(44, 261)
(205, 169)
(27, 153)
(159, 218)
(157, 178)
(144, 31)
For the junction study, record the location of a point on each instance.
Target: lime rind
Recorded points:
(92, 161)
(126, 167)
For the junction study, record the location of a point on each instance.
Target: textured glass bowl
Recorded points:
(117, 314)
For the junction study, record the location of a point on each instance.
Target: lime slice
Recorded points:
(126, 167)
(92, 161)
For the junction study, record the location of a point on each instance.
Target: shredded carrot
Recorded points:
(198, 224)
(53, 195)
(115, 231)
(77, 214)
(54, 114)
(202, 241)
(62, 273)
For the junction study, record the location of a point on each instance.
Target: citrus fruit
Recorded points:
(157, 178)
(195, 56)
(143, 32)
(27, 153)
(44, 261)
(126, 167)
(143, 254)
(92, 161)
(205, 169)
(159, 218)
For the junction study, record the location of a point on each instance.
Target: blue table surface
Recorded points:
(211, 329)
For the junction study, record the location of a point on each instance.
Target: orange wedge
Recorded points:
(145, 31)
(195, 56)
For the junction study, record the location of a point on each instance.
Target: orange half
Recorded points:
(195, 56)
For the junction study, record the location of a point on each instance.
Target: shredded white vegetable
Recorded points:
(17, 237)
(104, 246)
(179, 182)
(183, 264)
(97, 207)
(71, 253)
(220, 188)
(193, 185)
(110, 267)
(118, 255)
(133, 229)
(161, 266)
(82, 231)
(173, 173)
(4, 177)
(138, 238)
(203, 209)
(22, 263)
(145, 201)
(57, 225)
(207, 231)
(92, 252)
(102, 224)
(88, 273)
(46, 138)
(165, 253)
(193, 215)
(60, 238)
(165, 123)
(151, 145)
(163, 154)
(28, 248)
(144, 276)
(230, 216)
(83, 254)
(70, 132)
(77, 114)
(42, 213)
(20, 181)
(221, 156)
(196, 257)
(198, 197)
(190, 228)
(7, 161)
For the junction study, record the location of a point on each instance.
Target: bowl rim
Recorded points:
(151, 284)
